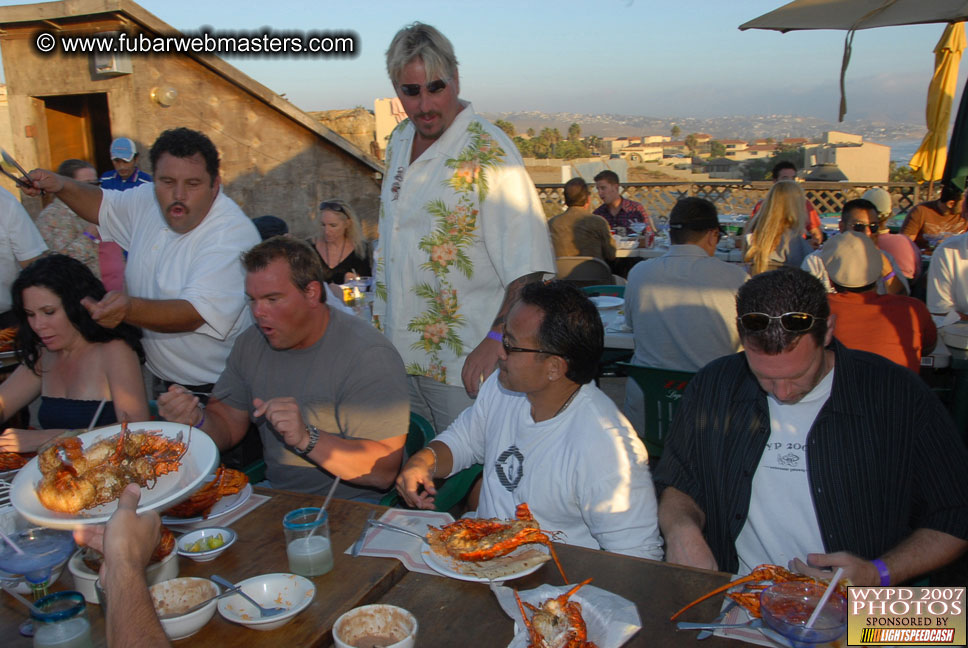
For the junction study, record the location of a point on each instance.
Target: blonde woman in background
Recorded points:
(775, 237)
(340, 243)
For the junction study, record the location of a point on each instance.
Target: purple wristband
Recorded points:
(883, 571)
(494, 335)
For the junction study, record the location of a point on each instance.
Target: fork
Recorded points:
(686, 625)
(265, 612)
(399, 529)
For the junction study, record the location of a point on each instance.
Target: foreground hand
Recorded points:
(479, 365)
(43, 180)
(416, 474)
(179, 405)
(16, 440)
(821, 566)
(128, 539)
(111, 310)
(284, 415)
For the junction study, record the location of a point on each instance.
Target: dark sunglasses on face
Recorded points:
(791, 322)
(413, 89)
(863, 227)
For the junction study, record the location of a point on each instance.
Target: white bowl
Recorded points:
(84, 578)
(185, 593)
(228, 536)
(290, 591)
(387, 622)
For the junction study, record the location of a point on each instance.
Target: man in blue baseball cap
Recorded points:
(126, 174)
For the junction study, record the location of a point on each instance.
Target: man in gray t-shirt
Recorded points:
(327, 391)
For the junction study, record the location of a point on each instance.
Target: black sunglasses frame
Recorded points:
(513, 349)
(413, 89)
(864, 227)
(786, 321)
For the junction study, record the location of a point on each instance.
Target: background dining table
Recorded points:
(450, 612)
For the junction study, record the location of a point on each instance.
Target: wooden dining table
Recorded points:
(449, 612)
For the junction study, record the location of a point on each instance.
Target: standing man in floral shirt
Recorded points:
(461, 231)
(618, 211)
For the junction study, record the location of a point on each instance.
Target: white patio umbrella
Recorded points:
(857, 14)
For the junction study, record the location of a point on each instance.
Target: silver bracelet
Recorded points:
(434, 453)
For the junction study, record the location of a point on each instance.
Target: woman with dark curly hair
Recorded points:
(66, 358)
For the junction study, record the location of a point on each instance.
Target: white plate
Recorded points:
(222, 507)
(200, 459)
(607, 301)
(447, 566)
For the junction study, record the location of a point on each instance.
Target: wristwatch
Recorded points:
(313, 438)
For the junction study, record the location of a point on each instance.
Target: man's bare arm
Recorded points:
(482, 360)
(681, 522)
(83, 198)
(921, 552)
(162, 315)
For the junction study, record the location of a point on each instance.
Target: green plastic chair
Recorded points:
(452, 490)
(604, 291)
(662, 390)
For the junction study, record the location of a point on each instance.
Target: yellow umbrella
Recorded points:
(930, 158)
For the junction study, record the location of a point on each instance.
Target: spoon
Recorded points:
(266, 612)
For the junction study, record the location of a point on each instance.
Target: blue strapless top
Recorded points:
(56, 413)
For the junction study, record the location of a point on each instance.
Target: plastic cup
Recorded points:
(307, 542)
(62, 622)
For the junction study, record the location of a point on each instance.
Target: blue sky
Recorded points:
(670, 58)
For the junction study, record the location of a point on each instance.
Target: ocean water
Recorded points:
(902, 150)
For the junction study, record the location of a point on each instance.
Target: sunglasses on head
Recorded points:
(413, 89)
(331, 206)
(863, 227)
(791, 322)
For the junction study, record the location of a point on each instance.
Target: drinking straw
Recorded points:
(329, 496)
(97, 414)
(11, 543)
(33, 608)
(825, 597)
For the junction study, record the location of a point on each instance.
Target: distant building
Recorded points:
(387, 114)
(723, 169)
(276, 158)
(639, 154)
(860, 161)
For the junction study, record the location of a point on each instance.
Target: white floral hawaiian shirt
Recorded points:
(456, 227)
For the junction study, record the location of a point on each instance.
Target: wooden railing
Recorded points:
(737, 197)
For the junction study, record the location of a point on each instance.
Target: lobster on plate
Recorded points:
(13, 460)
(74, 478)
(226, 482)
(556, 623)
(477, 540)
(755, 582)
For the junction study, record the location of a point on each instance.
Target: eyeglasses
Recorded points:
(331, 206)
(791, 322)
(863, 227)
(413, 89)
(513, 349)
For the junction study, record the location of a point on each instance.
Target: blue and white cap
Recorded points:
(123, 148)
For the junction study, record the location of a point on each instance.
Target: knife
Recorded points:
(730, 604)
(358, 545)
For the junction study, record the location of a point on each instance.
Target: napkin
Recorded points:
(609, 619)
(384, 543)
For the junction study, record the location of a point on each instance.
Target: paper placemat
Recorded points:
(384, 543)
(254, 502)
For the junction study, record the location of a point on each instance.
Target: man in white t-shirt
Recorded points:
(547, 436)
(20, 243)
(184, 236)
(800, 451)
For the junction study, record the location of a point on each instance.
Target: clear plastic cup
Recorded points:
(307, 542)
(62, 622)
